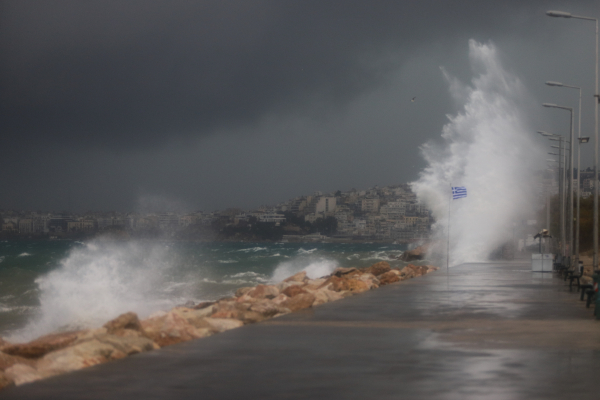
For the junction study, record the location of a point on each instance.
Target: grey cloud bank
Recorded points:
(235, 103)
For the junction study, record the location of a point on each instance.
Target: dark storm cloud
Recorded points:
(132, 74)
(215, 104)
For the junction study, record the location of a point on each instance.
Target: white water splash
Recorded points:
(488, 148)
(101, 280)
(314, 267)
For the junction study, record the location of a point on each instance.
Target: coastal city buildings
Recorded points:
(389, 213)
(379, 213)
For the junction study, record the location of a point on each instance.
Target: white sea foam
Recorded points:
(227, 261)
(16, 309)
(488, 148)
(252, 249)
(301, 251)
(314, 267)
(244, 278)
(25, 254)
(382, 255)
(1, 258)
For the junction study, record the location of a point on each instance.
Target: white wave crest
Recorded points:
(301, 251)
(252, 249)
(314, 267)
(25, 254)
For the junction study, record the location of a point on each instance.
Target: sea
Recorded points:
(57, 285)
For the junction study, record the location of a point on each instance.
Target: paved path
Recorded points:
(500, 332)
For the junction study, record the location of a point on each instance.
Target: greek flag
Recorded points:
(458, 192)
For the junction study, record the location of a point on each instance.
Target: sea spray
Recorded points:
(99, 281)
(488, 148)
(315, 267)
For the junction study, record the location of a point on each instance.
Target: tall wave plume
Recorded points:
(488, 148)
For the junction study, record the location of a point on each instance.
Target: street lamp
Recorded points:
(562, 14)
(561, 191)
(577, 195)
(570, 181)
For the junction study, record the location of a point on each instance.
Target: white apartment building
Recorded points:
(370, 204)
(325, 204)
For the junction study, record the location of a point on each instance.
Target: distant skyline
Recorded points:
(109, 105)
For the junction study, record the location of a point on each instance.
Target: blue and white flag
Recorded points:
(458, 192)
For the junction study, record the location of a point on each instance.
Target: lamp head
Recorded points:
(551, 83)
(558, 14)
(584, 139)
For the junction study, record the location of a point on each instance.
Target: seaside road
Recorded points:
(493, 331)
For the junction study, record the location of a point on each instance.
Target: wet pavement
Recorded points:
(493, 331)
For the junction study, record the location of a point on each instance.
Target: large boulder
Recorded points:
(378, 268)
(412, 271)
(230, 309)
(299, 277)
(243, 290)
(281, 286)
(195, 317)
(293, 291)
(203, 305)
(171, 328)
(124, 322)
(325, 295)
(300, 301)
(263, 291)
(268, 308)
(5, 381)
(7, 361)
(371, 280)
(389, 277)
(414, 254)
(43, 345)
(22, 373)
(345, 284)
(128, 345)
(345, 272)
(79, 356)
(314, 284)
(431, 268)
(223, 324)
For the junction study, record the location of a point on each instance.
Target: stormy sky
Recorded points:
(204, 105)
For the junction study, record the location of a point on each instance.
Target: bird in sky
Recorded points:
(413, 99)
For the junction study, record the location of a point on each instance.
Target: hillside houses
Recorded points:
(386, 213)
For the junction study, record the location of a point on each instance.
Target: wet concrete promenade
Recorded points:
(493, 331)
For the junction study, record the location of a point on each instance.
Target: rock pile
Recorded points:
(417, 253)
(126, 335)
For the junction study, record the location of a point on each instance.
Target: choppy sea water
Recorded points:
(47, 286)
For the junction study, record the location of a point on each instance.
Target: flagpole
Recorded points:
(448, 247)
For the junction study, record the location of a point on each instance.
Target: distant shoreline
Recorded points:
(125, 237)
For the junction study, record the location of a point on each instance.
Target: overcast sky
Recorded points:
(117, 105)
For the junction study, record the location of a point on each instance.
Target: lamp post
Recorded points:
(549, 160)
(562, 14)
(577, 194)
(562, 153)
(561, 173)
(569, 182)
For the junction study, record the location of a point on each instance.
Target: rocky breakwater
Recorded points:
(126, 335)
